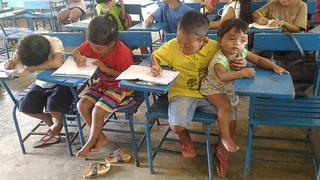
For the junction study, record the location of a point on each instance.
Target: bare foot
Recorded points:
(55, 129)
(85, 150)
(229, 144)
(102, 140)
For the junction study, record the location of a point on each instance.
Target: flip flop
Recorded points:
(96, 169)
(46, 140)
(118, 156)
(221, 163)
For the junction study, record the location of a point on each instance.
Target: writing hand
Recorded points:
(278, 23)
(9, 64)
(262, 21)
(155, 70)
(81, 61)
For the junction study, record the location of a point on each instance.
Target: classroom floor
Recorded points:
(53, 162)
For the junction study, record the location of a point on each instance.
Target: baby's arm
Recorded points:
(265, 63)
(226, 76)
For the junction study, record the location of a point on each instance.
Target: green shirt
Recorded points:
(115, 11)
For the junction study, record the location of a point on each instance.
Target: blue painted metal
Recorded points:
(302, 112)
(155, 27)
(196, 6)
(136, 39)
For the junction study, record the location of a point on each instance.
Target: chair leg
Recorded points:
(209, 151)
(81, 138)
(248, 151)
(66, 130)
(149, 146)
(15, 120)
(129, 117)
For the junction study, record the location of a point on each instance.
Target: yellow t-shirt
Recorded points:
(192, 68)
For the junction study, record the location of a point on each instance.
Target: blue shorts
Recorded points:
(181, 109)
(56, 99)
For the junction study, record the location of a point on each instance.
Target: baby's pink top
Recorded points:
(81, 5)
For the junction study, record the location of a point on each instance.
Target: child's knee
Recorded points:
(84, 105)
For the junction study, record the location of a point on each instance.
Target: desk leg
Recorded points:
(76, 99)
(148, 134)
(209, 150)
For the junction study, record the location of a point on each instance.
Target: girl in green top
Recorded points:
(109, 6)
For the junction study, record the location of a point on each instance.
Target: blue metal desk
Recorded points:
(79, 25)
(266, 84)
(73, 83)
(154, 27)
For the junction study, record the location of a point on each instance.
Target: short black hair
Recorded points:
(103, 30)
(227, 25)
(33, 50)
(194, 22)
(102, 1)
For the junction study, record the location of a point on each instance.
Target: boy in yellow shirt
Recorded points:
(190, 54)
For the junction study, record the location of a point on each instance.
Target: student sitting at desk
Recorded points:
(170, 13)
(105, 97)
(190, 54)
(232, 10)
(75, 9)
(109, 6)
(217, 86)
(291, 15)
(38, 53)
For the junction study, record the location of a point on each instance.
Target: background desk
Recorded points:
(154, 27)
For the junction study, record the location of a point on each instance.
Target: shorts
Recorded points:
(181, 109)
(56, 99)
(110, 100)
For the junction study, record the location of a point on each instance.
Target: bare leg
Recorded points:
(57, 125)
(45, 117)
(185, 141)
(223, 105)
(98, 115)
(85, 108)
(63, 16)
(75, 14)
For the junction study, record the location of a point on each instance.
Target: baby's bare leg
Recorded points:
(223, 105)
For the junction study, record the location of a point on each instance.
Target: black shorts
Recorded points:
(56, 99)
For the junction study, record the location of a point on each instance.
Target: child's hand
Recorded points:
(21, 72)
(10, 64)
(81, 61)
(99, 64)
(262, 21)
(238, 63)
(149, 21)
(279, 70)
(278, 23)
(248, 72)
(155, 70)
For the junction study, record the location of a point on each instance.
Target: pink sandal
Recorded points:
(221, 162)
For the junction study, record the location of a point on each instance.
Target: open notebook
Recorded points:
(9, 73)
(70, 68)
(267, 26)
(143, 73)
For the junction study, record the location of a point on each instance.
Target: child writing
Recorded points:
(106, 96)
(38, 53)
(232, 10)
(170, 13)
(190, 54)
(75, 9)
(291, 15)
(217, 86)
(109, 6)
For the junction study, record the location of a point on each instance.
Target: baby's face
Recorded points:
(233, 42)
(189, 43)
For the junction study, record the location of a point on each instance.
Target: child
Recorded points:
(217, 86)
(170, 13)
(37, 53)
(190, 54)
(291, 15)
(106, 96)
(109, 6)
(233, 9)
(75, 9)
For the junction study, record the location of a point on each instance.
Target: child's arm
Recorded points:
(287, 26)
(55, 62)
(225, 76)
(105, 69)
(11, 63)
(78, 58)
(149, 21)
(265, 63)
(155, 67)
(229, 15)
(258, 18)
(206, 4)
(123, 11)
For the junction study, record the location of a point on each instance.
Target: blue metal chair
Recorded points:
(68, 40)
(300, 112)
(196, 6)
(135, 11)
(133, 39)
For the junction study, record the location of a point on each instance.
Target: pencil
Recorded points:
(260, 14)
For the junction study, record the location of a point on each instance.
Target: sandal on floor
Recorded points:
(187, 150)
(46, 140)
(96, 169)
(118, 156)
(221, 162)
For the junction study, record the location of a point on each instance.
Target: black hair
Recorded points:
(103, 30)
(194, 22)
(102, 1)
(33, 50)
(245, 13)
(227, 25)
